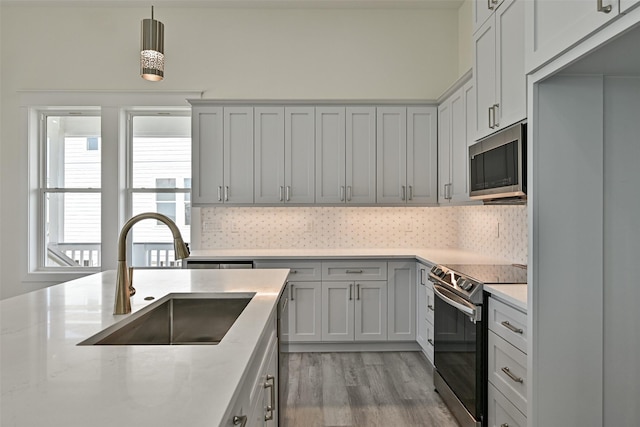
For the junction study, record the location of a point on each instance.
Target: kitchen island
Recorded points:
(47, 379)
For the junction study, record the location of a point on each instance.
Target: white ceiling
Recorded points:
(382, 4)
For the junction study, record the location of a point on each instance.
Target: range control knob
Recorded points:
(466, 285)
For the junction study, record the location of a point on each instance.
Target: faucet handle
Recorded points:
(132, 290)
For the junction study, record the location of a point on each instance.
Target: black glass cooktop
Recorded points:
(490, 273)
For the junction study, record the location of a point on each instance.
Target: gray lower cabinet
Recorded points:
(507, 370)
(401, 307)
(305, 308)
(256, 402)
(347, 301)
(425, 310)
(354, 311)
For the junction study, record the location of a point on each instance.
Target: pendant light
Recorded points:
(152, 49)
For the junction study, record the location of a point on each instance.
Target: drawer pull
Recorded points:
(271, 407)
(354, 271)
(430, 307)
(504, 425)
(512, 328)
(240, 420)
(294, 272)
(513, 377)
(430, 341)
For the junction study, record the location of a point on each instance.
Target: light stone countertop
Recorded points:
(433, 256)
(515, 295)
(47, 380)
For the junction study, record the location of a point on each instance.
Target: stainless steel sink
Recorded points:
(178, 320)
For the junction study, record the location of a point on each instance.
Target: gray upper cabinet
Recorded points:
(284, 155)
(407, 155)
(206, 155)
(498, 70)
(238, 155)
(345, 155)
(222, 155)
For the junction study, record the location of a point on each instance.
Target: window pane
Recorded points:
(72, 230)
(161, 149)
(73, 152)
(151, 240)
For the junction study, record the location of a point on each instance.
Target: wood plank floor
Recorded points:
(362, 389)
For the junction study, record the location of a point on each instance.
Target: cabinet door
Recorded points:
(444, 151)
(360, 155)
(392, 154)
(370, 311)
(627, 5)
(238, 155)
(421, 310)
(553, 26)
(272, 389)
(511, 81)
(422, 155)
(458, 191)
(206, 155)
(330, 152)
(269, 154)
(401, 306)
(304, 311)
(299, 154)
(484, 78)
(337, 311)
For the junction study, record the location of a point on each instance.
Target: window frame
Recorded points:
(130, 190)
(39, 263)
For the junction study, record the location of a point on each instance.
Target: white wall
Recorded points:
(465, 33)
(225, 53)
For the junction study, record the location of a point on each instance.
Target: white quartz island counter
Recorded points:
(48, 380)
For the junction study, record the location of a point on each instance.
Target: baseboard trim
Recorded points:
(348, 347)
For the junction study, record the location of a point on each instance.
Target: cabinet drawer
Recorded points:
(508, 371)
(501, 412)
(301, 271)
(430, 305)
(430, 335)
(508, 323)
(354, 270)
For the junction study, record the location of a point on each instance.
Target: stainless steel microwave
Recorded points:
(498, 166)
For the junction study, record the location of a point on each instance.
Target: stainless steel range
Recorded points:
(460, 336)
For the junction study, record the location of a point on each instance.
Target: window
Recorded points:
(159, 180)
(69, 190)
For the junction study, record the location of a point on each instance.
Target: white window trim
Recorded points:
(113, 106)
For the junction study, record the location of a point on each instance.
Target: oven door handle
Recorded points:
(455, 301)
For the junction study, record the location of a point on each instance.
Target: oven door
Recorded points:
(458, 354)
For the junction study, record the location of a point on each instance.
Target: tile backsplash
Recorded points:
(499, 231)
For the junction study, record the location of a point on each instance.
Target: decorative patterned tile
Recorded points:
(492, 230)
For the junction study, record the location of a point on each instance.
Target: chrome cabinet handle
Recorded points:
(226, 193)
(430, 341)
(342, 193)
(411, 192)
(293, 272)
(422, 273)
(350, 292)
(291, 292)
(272, 401)
(430, 307)
(354, 271)
(512, 328)
(404, 192)
(281, 190)
(240, 420)
(513, 377)
(348, 193)
(603, 9)
(358, 292)
(496, 122)
(489, 5)
(491, 126)
(504, 425)
(219, 193)
(287, 193)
